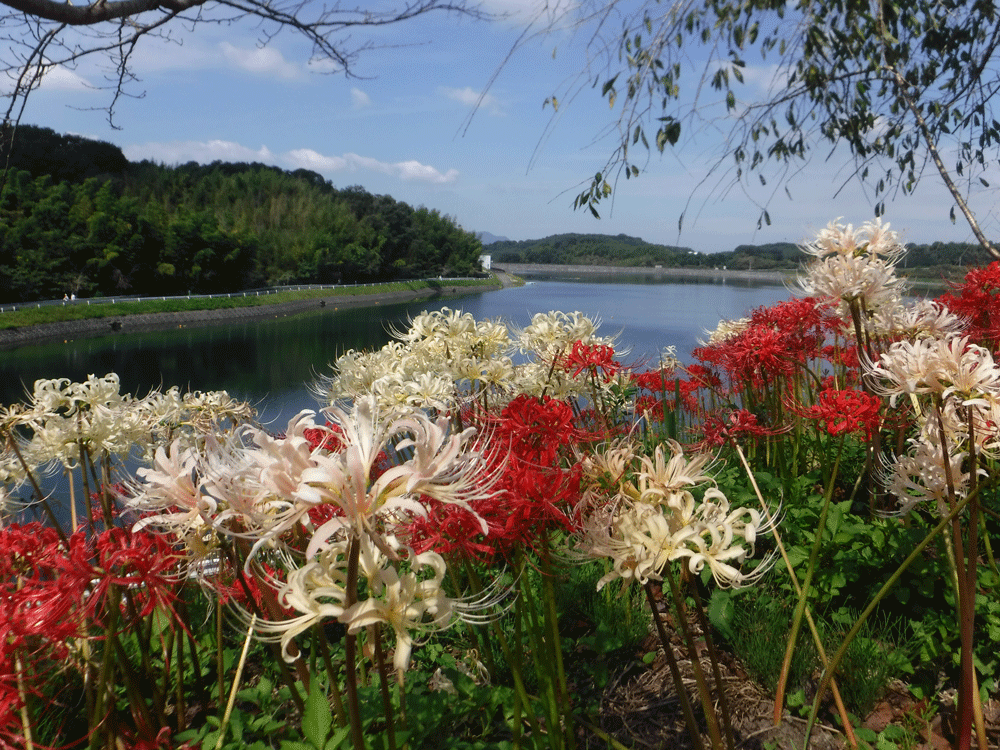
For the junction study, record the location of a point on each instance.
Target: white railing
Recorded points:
(14, 307)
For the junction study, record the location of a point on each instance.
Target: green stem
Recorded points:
(699, 675)
(383, 678)
(552, 617)
(841, 709)
(800, 607)
(714, 656)
(331, 674)
(542, 666)
(838, 657)
(675, 672)
(350, 648)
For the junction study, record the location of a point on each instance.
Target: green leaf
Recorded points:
(866, 734)
(317, 718)
(721, 612)
(339, 735)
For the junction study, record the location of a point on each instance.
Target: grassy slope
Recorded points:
(80, 310)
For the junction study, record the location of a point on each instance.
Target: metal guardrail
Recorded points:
(262, 292)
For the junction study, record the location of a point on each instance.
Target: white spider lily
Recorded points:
(263, 487)
(643, 517)
(854, 265)
(405, 601)
(317, 591)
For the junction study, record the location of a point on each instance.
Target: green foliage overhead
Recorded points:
(102, 226)
(905, 87)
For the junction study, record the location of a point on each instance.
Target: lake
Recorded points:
(270, 361)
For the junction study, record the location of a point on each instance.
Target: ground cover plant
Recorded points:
(484, 531)
(28, 315)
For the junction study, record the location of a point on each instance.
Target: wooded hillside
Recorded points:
(935, 260)
(77, 217)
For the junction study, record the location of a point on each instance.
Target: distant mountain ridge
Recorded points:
(488, 239)
(589, 249)
(937, 260)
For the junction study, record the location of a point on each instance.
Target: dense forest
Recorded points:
(588, 249)
(76, 217)
(947, 259)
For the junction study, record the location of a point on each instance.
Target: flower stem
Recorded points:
(351, 648)
(675, 672)
(699, 675)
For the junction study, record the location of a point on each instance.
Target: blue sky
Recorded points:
(403, 128)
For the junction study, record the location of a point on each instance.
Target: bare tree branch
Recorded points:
(88, 15)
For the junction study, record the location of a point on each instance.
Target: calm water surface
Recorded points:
(271, 361)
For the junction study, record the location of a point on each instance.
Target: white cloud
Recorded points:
(404, 170)
(306, 158)
(360, 99)
(471, 98)
(180, 152)
(61, 78)
(265, 61)
(205, 152)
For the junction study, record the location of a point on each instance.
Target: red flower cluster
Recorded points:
(594, 358)
(327, 438)
(846, 411)
(977, 299)
(774, 343)
(535, 492)
(53, 587)
(739, 423)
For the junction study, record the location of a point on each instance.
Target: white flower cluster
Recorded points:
(640, 512)
(854, 266)
(954, 386)
(62, 418)
(447, 356)
(261, 489)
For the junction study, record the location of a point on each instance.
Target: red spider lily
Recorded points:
(777, 340)
(846, 411)
(534, 428)
(594, 358)
(977, 299)
(653, 407)
(44, 582)
(805, 322)
(845, 358)
(143, 564)
(738, 423)
(535, 491)
(655, 381)
(449, 529)
(253, 592)
(11, 737)
(328, 437)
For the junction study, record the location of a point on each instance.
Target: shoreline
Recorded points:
(693, 274)
(12, 338)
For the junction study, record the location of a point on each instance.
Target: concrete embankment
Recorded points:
(692, 274)
(123, 324)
